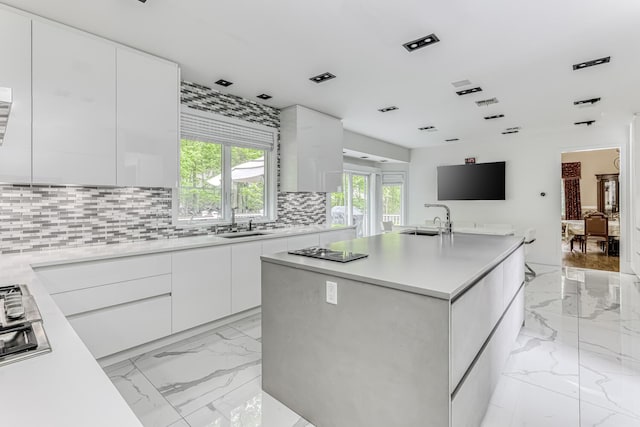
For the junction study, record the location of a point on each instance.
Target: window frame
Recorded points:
(396, 178)
(270, 172)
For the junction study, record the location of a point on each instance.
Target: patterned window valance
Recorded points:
(571, 170)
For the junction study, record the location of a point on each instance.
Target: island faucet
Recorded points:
(447, 224)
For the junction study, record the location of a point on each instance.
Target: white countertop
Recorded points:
(424, 265)
(67, 387)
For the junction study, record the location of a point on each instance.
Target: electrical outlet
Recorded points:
(332, 292)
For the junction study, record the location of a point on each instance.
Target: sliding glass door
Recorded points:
(353, 205)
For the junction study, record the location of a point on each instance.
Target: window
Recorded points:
(224, 164)
(352, 205)
(393, 198)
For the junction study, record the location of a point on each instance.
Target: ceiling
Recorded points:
(519, 52)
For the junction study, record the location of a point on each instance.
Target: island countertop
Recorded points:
(427, 265)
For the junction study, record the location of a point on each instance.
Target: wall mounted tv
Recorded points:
(479, 181)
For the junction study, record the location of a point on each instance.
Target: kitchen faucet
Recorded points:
(447, 224)
(234, 226)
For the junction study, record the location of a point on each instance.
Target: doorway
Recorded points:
(590, 200)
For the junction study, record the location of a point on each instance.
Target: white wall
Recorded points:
(532, 167)
(377, 147)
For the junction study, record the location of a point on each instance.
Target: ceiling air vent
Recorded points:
(461, 83)
(586, 102)
(469, 91)
(585, 122)
(421, 42)
(428, 128)
(452, 140)
(497, 116)
(587, 64)
(485, 102)
(509, 132)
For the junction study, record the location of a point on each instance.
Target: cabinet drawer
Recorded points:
(118, 328)
(299, 242)
(69, 277)
(513, 274)
(473, 317)
(84, 300)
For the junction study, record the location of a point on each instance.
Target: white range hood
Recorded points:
(5, 109)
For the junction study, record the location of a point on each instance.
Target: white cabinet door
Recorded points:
(74, 107)
(15, 152)
(299, 242)
(147, 112)
(201, 288)
(245, 276)
(273, 246)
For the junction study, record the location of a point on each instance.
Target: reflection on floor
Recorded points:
(593, 259)
(576, 363)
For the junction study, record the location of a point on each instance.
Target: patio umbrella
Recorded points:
(251, 171)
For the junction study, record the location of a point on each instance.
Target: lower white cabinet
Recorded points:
(273, 246)
(299, 242)
(117, 328)
(201, 289)
(245, 276)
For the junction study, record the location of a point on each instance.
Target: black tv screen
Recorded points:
(479, 181)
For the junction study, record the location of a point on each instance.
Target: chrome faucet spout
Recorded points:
(448, 225)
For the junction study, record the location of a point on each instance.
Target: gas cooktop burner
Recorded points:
(328, 254)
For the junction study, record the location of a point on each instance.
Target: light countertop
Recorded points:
(424, 265)
(67, 387)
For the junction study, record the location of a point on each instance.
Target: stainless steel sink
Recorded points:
(239, 234)
(421, 232)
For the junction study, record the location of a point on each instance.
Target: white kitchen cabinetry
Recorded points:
(245, 276)
(201, 290)
(114, 304)
(310, 151)
(305, 241)
(147, 120)
(15, 152)
(337, 236)
(74, 103)
(272, 246)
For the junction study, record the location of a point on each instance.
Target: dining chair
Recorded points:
(596, 226)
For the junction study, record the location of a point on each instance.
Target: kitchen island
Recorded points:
(419, 335)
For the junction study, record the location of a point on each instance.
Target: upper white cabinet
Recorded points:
(15, 73)
(310, 151)
(147, 118)
(74, 104)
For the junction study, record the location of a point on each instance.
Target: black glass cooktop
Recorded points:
(328, 254)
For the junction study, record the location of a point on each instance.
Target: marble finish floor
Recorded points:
(576, 363)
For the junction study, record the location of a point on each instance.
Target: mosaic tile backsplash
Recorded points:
(34, 218)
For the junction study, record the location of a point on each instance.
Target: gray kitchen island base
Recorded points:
(384, 356)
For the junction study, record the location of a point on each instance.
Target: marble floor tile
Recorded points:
(194, 372)
(251, 326)
(180, 423)
(595, 416)
(517, 404)
(246, 406)
(143, 398)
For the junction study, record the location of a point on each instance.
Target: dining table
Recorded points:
(573, 230)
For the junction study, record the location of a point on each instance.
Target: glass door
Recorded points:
(352, 205)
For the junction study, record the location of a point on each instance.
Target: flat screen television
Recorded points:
(478, 181)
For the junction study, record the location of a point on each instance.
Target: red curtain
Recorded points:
(571, 178)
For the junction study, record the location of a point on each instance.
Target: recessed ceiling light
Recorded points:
(508, 132)
(485, 102)
(142, 1)
(421, 42)
(451, 140)
(224, 83)
(497, 116)
(586, 122)
(364, 157)
(587, 101)
(461, 83)
(468, 91)
(322, 77)
(344, 152)
(264, 96)
(599, 61)
(428, 128)
(383, 160)
(387, 109)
